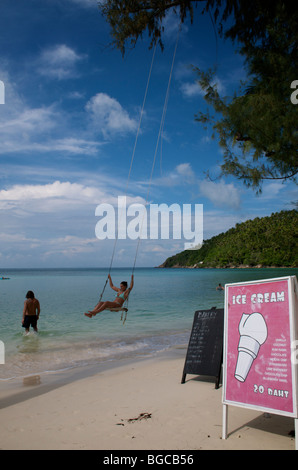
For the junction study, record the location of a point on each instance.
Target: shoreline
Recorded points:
(240, 266)
(101, 408)
(76, 353)
(50, 379)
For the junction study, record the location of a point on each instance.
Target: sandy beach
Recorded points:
(131, 406)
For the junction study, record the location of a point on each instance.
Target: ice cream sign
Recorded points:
(260, 338)
(259, 298)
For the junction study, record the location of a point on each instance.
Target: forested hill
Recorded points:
(261, 242)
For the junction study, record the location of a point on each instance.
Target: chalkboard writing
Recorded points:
(205, 348)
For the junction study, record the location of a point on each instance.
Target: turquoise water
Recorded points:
(161, 310)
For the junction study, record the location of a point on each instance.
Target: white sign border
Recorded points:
(293, 321)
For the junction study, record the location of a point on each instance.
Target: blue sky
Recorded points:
(68, 129)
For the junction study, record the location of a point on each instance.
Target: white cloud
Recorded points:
(41, 129)
(59, 62)
(66, 191)
(192, 89)
(70, 246)
(25, 128)
(185, 171)
(108, 116)
(171, 23)
(29, 130)
(40, 119)
(58, 195)
(87, 3)
(181, 175)
(22, 127)
(55, 222)
(221, 194)
(62, 199)
(16, 238)
(45, 129)
(271, 189)
(219, 221)
(69, 145)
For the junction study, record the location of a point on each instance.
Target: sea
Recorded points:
(160, 314)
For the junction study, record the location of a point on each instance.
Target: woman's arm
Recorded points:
(111, 284)
(127, 292)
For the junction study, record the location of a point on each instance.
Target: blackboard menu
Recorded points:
(205, 349)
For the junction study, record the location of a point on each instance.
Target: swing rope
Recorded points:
(131, 162)
(159, 137)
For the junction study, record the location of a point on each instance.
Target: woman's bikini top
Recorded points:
(120, 296)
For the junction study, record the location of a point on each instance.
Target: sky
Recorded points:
(73, 141)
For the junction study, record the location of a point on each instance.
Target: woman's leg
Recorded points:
(99, 308)
(93, 312)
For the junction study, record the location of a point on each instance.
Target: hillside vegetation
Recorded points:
(261, 242)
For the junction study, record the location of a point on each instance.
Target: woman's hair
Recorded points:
(30, 295)
(124, 283)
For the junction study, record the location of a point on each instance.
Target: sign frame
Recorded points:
(250, 355)
(199, 359)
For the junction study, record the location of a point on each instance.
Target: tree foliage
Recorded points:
(258, 127)
(129, 19)
(266, 241)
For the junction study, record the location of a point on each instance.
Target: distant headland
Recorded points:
(262, 242)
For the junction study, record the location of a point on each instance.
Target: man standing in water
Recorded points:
(31, 312)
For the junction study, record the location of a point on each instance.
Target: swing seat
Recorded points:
(118, 309)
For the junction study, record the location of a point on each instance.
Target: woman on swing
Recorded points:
(121, 296)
